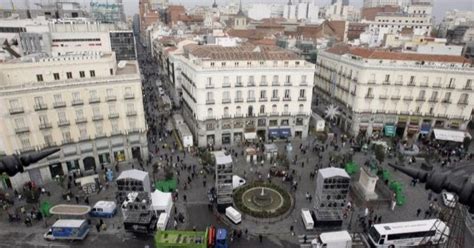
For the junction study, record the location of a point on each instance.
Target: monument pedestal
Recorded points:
(366, 184)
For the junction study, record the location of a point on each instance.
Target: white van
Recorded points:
(162, 222)
(233, 215)
(307, 219)
(339, 239)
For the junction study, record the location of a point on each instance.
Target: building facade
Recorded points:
(234, 93)
(85, 104)
(394, 93)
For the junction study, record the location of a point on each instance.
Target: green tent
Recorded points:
(44, 208)
(166, 186)
(351, 168)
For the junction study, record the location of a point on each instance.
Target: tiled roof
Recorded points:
(388, 55)
(245, 52)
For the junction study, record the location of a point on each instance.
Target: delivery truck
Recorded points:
(340, 239)
(68, 230)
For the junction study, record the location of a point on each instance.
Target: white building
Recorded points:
(380, 3)
(84, 103)
(259, 11)
(234, 92)
(393, 93)
(417, 17)
(338, 11)
(454, 18)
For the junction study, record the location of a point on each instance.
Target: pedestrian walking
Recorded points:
(418, 212)
(260, 237)
(77, 199)
(291, 230)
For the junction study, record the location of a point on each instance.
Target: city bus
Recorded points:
(410, 233)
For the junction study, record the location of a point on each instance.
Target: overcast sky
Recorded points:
(131, 6)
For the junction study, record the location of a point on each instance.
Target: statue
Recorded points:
(459, 180)
(12, 164)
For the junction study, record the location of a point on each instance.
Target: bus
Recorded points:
(410, 233)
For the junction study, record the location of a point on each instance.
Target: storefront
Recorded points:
(119, 155)
(56, 170)
(226, 138)
(104, 158)
(89, 164)
(401, 125)
(210, 139)
(238, 137)
(377, 129)
(136, 152)
(73, 166)
(425, 128)
(279, 133)
(389, 130)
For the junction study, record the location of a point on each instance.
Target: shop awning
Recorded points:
(450, 135)
(250, 136)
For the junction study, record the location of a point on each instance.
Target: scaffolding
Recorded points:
(107, 12)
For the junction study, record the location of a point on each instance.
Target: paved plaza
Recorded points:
(195, 209)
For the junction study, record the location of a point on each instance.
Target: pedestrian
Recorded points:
(305, 238)
(291, 230)
(418, 212)
(184, 198)
(379, 220)
(260, 237)
(246, 231)
(430, 195)
(87, 200)
(97, 226)
(77, 199)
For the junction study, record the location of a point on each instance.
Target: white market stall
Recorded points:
(451, 135)
(161, 202)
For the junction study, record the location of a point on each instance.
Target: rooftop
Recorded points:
(245, 52)
(382, 54)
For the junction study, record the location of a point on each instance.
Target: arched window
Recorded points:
(274, 108)
(238, 110)
(250, 111)
(209, 112)
(301, 108)
(226, 111)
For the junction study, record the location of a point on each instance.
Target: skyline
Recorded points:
(131, 6)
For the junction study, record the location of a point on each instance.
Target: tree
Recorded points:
(379, 153)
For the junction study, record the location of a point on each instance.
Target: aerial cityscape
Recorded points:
(230, 123)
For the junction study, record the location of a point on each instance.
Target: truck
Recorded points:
(339, 239)
(211, 238)
(65, 229)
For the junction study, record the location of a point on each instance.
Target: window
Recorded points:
(468, 84)
(66, 135)
(421, 94)
(369, 92)
(273, 123)
(209, 112)
(287, 94)
(93, 94)
(412, 80)
(226, 96)
(261, 122)
(209, 82)
(92, 72)
(434, 95)
(82, 74)
(463, 98)
(275, 94)
(250, 111)
(274, 108)
(263, 79)
(251, 79)
(226, 111)
(112, 109)
(39, 78)
(303, 78)
(110, 92)
(447, 97)
(275, 79)
(19, 123)
(39, 100)
(111, 71)
(43, 119)
(79, 114)
(301, 108)
(400, 79)
(114, 125)
(285, 108)
(58, 98)
(48, 139)
(210, 96)
(226, 80)
(130, 107)
(62, 116)
(83, 131)
(132, 123)
(238, 110)
(223, 64)
(238, 94)
(299, 121)
(284, 122)
(69, 75)
(239, 80)
(262, 109)
(213, 64)
(288, 79)
(263, 94)
(76, 96)
(14, 104)
(387, 78)
(251, 94)
(302, 94)
(99, 129)
(56, 76)
(25, 141)
(96, 110)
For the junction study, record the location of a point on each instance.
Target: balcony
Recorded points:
(464, 102)
(226, 100)
(304, 83)
(95, 99)
(407, 98)
(226, 85)
(111, 98)
(287, 83)
(263, 99)
(131, 113)
(81, 120)
(77, 102)
(17, 110)
(424, 85)
(239, 84)
(237, 100)
(226, 116)
(27, 149)
(22, 130)
(411, 84)
(274, 114)
(209, 86)
(84, 138)
(371, 82)
(386, 83)
(467, 87)
(395, 98)
(436, 86)
(302, 98)
(250, 84)
(210, 101)
(369, 96)
(251, 99)
(399, 83)
(420, 99)
(210, 117)
(446, 101)
(353, 93)
(113, 115)
(354, 79)
(451, 87)
(45, 125)
(115, 132)
(286, 99)
(383, 97)
(275, 99)
(129, 96)
(97, 117)
(62, 123)
(59, 104)
(275, 83)
(238, 115)
(40, 106)
(263, 83)
(285, 113)
(302, 114)
(262, 114)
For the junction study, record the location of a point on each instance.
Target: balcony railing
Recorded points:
(131, 113)
(275, 83)
(274, 114)
(62, 123)
(464, 102)
(59, 104)
(226, 116)
(286, 99)
(383, 97)
(226, 85)
(210, 101)
(467, 87)
(209, 86)
(287, 83)
(81, 120)
(411, 84)
(251, 99)
(386, 83)
(447, 101)
(395, 97)
(239, 84)
(113, 115)
(302, 98)
(275, 99)
(210, 117)
(263, 99)
(226, 100)
(77, 102)
(17, 110)
(111, 98)
(22, 129)
(408, 98)
(262, 114)
(95, 99)
(129, 96)
(263, 83)
(97, 117)
(369, 96)
(285, 113)
(433, 99)
(371, 82)
(45, 125)
(303, 83)
(420, 99)
(40, 106)
(236, 100)
(399, 83)
(250, 84)
(436, 86)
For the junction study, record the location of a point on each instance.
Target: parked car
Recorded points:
(449, 199)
